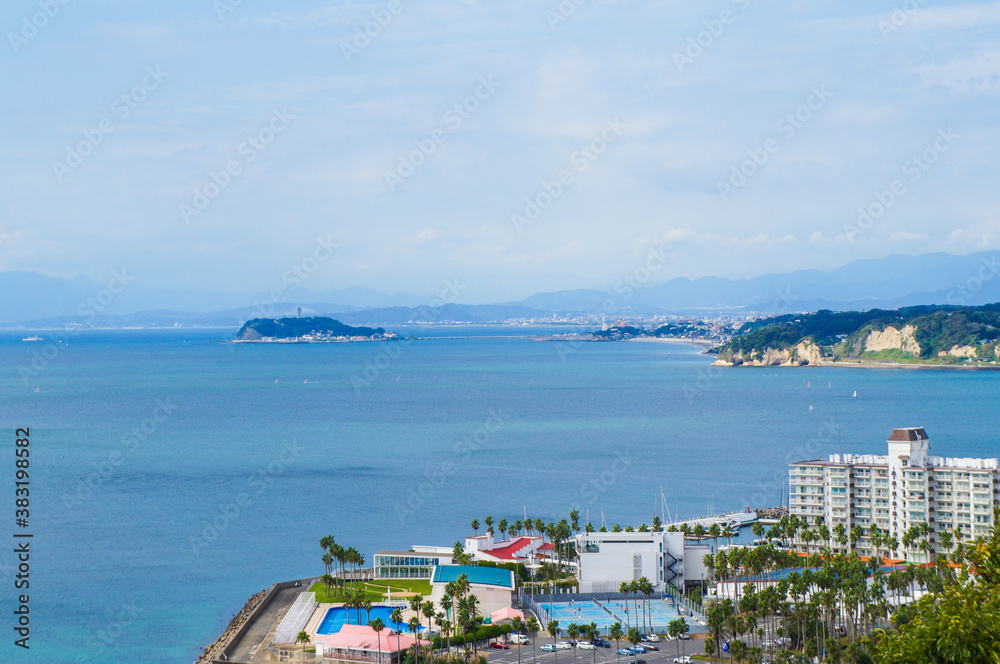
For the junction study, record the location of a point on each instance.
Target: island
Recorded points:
(311, 329)
(934, 335)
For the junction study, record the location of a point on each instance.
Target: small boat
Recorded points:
(33, 337)
(855, 394)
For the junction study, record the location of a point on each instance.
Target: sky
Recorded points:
(512, 147)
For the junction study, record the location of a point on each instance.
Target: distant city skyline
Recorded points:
(516, 149)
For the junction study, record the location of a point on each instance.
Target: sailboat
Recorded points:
(855, 394)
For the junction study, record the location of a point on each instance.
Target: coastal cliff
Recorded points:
(934, 335)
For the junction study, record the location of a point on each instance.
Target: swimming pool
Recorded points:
(338, 616)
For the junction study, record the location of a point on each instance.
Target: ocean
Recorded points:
(173, 476)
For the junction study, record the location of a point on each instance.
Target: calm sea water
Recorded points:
(146, 546)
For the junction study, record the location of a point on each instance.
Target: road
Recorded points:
(666, 654)
(249, 648)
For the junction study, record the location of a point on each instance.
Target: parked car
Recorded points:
(685, 659)
(639, 649)
(499, 646)
(584, 645)
(639, 661)
(652, 638)
(648, 646)
(547, 647)
(625, 651)
(562, 645)
(684, 637)
(519, 639)
(601, 643)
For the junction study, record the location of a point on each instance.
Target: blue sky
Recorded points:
(647, 111)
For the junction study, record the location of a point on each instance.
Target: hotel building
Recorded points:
(906, 487)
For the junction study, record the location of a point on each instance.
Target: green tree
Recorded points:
(553, 629)
(378, 626)
(517, 624)
(616, 633)
(533, 627)
(303, 638)
(634, 638)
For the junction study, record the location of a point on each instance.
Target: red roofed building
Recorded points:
(517, 549)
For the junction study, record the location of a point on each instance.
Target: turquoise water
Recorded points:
(145, 548)
(337, 617)
(583, 613)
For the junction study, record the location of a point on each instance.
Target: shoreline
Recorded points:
(864, 364)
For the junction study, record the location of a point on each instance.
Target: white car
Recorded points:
(652, 638)
(584, 645)
(562, 645)
(686, 659)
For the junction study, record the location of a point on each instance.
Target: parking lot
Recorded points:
(666, 654)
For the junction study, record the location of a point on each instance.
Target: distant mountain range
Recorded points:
(34, 300)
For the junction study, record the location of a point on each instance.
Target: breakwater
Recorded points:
(214, 651)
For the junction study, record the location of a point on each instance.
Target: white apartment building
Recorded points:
(906, 487)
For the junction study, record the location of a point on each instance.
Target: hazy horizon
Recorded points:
(223, 139)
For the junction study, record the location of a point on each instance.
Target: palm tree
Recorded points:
(396, 617)
(303, 638)
(414, 625)
(591, 632)
(624, 589)
(475, 526)
(533, 627)
(428, 611)
(378, 626)
(633, 587)
(367, 606)
(553, 629)
(674, 630)
(682, 629)
(573, 631)
(634, 638)
(502, 527)
(518, 626)
(616, 633)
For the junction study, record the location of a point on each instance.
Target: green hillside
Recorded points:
(290, 328)
(935, 334)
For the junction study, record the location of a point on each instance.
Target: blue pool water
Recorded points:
(338, 616)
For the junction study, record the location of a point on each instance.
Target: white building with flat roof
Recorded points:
(903, 488)
(665, 558)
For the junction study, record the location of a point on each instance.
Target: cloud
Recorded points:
(817, 238)
(906, 236)
(977, 73)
